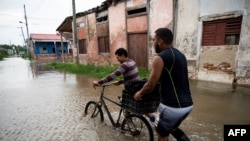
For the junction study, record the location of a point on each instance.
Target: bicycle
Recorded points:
(135, 125)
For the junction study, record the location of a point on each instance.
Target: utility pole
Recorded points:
(22, 33)
(28, 36)
(75, 31)
(26, 22)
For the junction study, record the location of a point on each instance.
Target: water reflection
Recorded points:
(37, 103)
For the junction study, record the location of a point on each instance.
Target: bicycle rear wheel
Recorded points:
(138, 127)
(94, 109)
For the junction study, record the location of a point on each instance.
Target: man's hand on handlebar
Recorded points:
(116, 83)
(95, 83)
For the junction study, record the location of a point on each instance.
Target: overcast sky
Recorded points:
(44, 16)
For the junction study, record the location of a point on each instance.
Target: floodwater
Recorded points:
(41, 104)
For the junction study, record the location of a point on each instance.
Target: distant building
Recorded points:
(48, 47)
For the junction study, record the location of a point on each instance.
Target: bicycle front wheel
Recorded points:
(137, 127)
(93, 108)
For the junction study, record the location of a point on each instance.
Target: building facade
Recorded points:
(214, 35)
(48, 47)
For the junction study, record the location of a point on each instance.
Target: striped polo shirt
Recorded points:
(129, 71)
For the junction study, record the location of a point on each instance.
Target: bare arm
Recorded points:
(157, 66)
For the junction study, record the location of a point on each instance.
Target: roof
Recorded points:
(52, 37)
(66, 25)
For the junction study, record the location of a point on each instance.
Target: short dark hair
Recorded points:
(165, 34)
(121, 51)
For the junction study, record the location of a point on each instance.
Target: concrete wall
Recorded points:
(190, 16)
(92, 44)
(117, 29)
(243, 54)
(82, 34)
(160, 15)
(132, 3)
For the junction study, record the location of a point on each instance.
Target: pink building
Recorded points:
(129, 24)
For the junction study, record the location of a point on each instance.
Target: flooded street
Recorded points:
(47, 105)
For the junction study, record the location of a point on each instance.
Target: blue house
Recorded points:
(49, 47)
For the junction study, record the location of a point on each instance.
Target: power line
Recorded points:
(35, 18)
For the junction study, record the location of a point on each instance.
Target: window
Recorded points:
(102, 16)
(102, 19)
(53, 50)
(43, 50)
(222, 32)
(137, 11)
(82, 46)
(81, 24)
(103, 44)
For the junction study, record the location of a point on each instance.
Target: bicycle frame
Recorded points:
(102, 102)
(133, 124)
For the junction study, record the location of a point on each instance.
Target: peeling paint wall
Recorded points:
(103, 30)
(117, 29)
(186, 30)
(132, 3)
(232, 54)
(91, 38)
(217, 63)
(136, 24)
(191, 15)
(160, 15)
(243, 59)
(82, 34)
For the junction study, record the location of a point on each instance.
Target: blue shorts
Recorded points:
(170, 118)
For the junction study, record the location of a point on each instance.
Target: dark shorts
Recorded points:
(170, 118)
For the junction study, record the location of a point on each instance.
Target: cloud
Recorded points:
(44, 16)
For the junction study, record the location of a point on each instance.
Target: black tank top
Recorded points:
(175, 91)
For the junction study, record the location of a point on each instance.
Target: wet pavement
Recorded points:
(46, 105)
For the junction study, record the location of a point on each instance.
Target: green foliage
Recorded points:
(144, 73)
(5, 46)
(95, 71)
(3, 54)
(25, 56)
(16, 48)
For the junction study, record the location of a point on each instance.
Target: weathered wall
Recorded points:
(186, 30)
(92, 46)
(132, 3)
(210, 7)
(191, 15)
(136, 24)
(82, 34)
(243, 55)
(217, 63)
(210, 10)
(117, 29)
(160, 15)
(103, 30)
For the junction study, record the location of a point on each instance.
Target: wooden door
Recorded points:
(137, 48)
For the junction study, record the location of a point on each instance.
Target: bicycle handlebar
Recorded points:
(104, 85)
